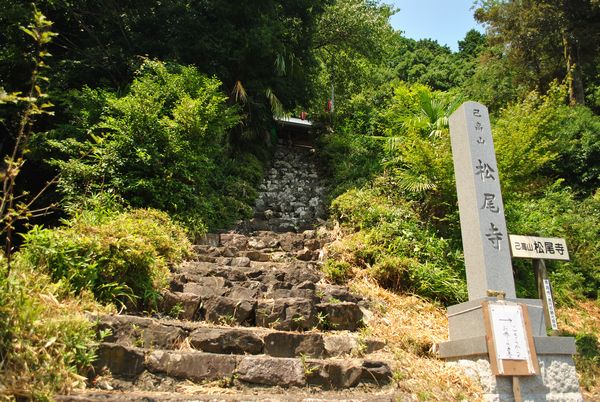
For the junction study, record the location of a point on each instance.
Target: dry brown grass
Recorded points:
(583, 318)
(412, 326)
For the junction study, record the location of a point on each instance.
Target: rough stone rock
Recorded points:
(234, 240)
(244, 292)
(288, 293)
(343, 315)
(223, 261)
(229, 311)
(312, 244)
(234, 274)
(203, 291)
(205, 258)
(119, 359)
(240, 262)
(306, 255)
(557, 381)
(340, 344)
(229, 252)
(271, 371)
(286, 314)
(306, 285)
(195, 366)
(176, 283)
(257, 256)
(334, 374)
(286, 344)
(339, 293)
(210, 239)
(299, 274)
(187, 304)
(291, 242)
(140, 332)
(228, 341)
(375, 372)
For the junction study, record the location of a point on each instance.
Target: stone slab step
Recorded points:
(244, 369)
(284, 310)
(254, 395)
(142, 332)
(224, 264)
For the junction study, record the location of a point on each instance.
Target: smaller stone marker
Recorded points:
(483, 226)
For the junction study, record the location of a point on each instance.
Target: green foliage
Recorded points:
(541, 138)
(122, 257)
(46, 342)
(587, 359)
(168, 135)
(396, 247)
(16, 207)
(337, 271)
(545, 40)
(353, 159)
(556, 213)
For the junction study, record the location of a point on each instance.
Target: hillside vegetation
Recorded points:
(130, 129)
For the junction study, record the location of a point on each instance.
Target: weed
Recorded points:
(308, 369)
(228, 320)
(322, 320)
(176, 310)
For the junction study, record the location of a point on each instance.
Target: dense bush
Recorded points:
(390, 241)
(541, 139)
(352, 159)
(556, 213)
(163, 144)
(122, 257)
(46, 342)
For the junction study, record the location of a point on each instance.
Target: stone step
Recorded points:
(227, 256)
(240, 394)
(292, 273)
(259, 370)
(284, 311)
(146, 332)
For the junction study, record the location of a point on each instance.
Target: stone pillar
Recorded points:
(489, 268)
(485, 238)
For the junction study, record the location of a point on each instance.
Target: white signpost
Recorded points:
(508, 326)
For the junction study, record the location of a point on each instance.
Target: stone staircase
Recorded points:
(248, 318)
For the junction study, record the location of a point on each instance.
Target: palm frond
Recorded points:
(280, 66)
(276, 105)
(413, 182)
(239, 92)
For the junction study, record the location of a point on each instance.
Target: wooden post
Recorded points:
(517, 389)
(543, 284)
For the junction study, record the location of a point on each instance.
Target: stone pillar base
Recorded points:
(467, 348)
(557, 381)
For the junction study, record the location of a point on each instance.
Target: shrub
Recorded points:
(557, 213)
(123, 257)
(337, 271)
(396, 247)
(163, 144)
(46, 342)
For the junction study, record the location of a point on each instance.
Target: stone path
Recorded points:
(249, 318)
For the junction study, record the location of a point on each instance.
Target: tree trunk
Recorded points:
(576, 94)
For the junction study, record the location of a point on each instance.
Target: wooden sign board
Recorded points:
(509, 340)
(546, 248)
